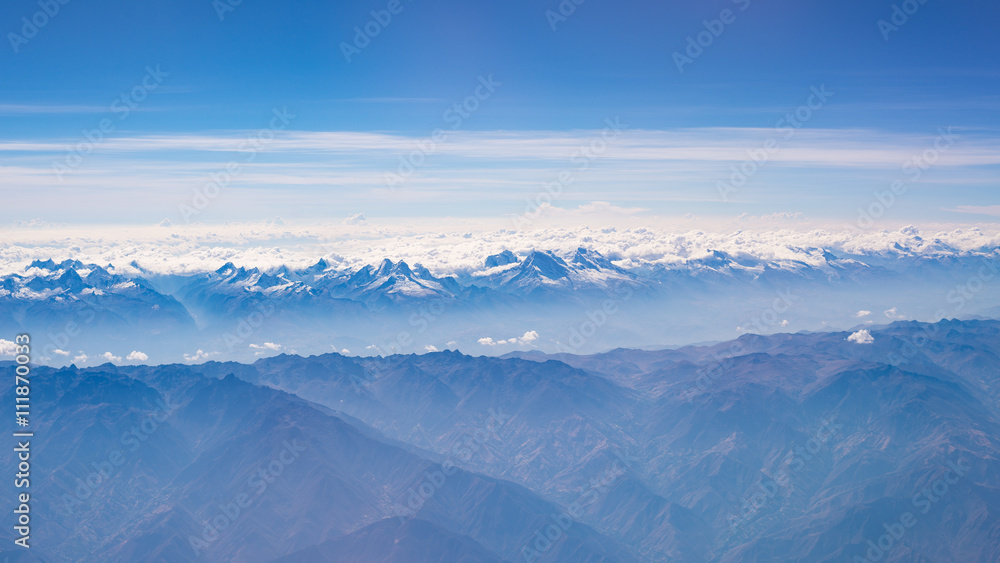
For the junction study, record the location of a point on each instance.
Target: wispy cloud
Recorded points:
(826, 147)
(392, 100)
(495, 170)
(25, 109)
(992, 210)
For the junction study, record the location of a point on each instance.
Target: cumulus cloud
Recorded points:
(199, 356)
(861, 337)
(528, 337)
(111, 357)
(81, 359)
(261, 349)
(893, 314)
(356, 219)
(862, 313)
(137, 356)
(430, 348)
(7, 348)
(60, 352)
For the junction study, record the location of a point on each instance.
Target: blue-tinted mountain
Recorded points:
(75, 304)
(713, 451)
(390, 283)
(168, 452)
(395, 307)
(545, 273)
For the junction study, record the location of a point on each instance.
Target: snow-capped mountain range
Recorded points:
(540, 292)
(388, 283)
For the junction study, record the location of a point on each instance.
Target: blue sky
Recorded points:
(220, 79)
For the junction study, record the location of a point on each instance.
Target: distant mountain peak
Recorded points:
(545, 264)
(42, 264)
(504, 258)
(227, 269)
(592, 260)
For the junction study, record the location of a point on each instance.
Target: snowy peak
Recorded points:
(43, 265)
(73, 280)
(393, 282)
(586, 270)
(52, 266)
(316, 269)
(545, 264)
(592, 260)
(504, 258)
(716, 260)
(232, 280)
(227, 269)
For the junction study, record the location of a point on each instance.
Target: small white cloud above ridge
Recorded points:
(861, 337)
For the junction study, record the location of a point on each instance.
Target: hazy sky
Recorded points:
(559, 104)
